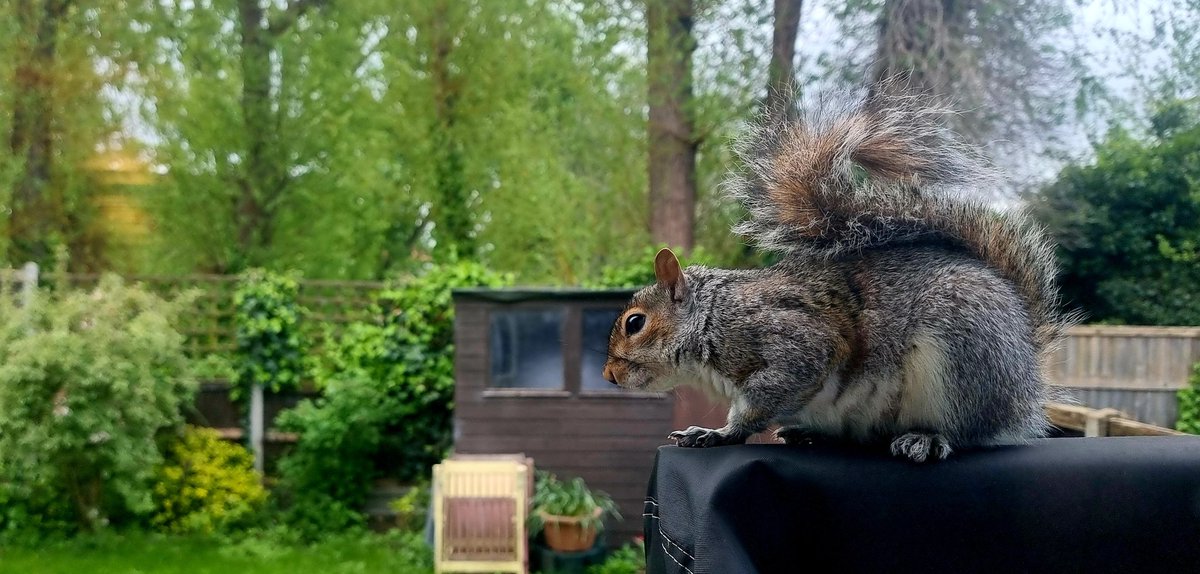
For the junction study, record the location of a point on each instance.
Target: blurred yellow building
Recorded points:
(121, 219)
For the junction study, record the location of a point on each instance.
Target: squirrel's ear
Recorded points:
(669, 274)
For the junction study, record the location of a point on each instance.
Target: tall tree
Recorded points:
(36, 212)
(917, 40)
(260, 119)
(1005, 64)
(672, 137)
(56, 59)
(452, 210)
(782, 74)
(265, 178)
(731, 69)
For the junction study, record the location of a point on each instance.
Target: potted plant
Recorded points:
(568, 513)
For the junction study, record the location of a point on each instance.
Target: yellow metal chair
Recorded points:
(479, 512)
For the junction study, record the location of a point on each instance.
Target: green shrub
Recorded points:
(1128, 225)
(214, 367)
(332, 466)
(316, 516)
(412, 508)
(89, 381)
(206, 485)
(628, 559)
(270, 345)
(388, 393)
(1188, 420)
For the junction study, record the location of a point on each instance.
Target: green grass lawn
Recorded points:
(153, 554)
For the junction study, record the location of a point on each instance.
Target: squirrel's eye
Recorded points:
(634, 323)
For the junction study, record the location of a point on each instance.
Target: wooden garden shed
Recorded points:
(528, 366)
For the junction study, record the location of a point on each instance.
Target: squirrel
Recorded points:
(901, 311)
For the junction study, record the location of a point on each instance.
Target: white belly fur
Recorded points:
(714, 384)
(923, 399)
(859, 411)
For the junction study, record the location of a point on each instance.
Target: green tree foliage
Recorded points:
(440, 128)
(1164, 64)
(88, 382)
(731, 66)
(360, 139)
(1128, 225)
(387, 402)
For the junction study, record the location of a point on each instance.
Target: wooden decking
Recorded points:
(1102, 422)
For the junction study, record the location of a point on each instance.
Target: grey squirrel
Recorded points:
(901, 311)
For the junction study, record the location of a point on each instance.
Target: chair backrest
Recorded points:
(479, 515)
(518, 457)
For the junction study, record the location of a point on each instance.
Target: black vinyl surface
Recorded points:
(1057, 505)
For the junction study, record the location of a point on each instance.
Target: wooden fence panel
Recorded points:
(208, 323)
(1131, 358)
(1136, 370)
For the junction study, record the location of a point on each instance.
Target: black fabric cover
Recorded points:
(1058, 505)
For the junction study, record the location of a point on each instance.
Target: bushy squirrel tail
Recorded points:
(881, 170)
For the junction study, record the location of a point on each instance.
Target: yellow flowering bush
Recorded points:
(206, 485)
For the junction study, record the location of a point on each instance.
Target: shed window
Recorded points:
(597, 324)
(526, 348)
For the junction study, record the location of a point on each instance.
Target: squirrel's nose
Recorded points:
(609, 376)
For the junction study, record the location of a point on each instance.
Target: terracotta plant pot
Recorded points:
(567, 534)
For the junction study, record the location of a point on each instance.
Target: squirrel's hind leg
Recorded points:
(921, 446)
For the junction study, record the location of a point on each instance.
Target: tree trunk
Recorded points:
(671, 132)
(916, 41)
(781, 79)
(259, 177)
(265, 176)
(454, 227)
(34, 209)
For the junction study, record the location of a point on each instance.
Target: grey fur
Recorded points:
(901, 311)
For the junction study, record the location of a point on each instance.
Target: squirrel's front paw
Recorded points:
(920, 447)
(699, 437)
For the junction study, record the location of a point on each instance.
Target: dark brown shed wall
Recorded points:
(608, 439)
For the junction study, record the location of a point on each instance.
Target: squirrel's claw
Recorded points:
(698, 437)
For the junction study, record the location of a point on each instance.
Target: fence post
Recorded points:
(1097, 422)
(29, 283)
(256, 426)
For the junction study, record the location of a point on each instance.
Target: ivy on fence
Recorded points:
(1188, 420)
(270, 346)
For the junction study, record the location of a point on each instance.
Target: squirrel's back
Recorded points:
(882, 171)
